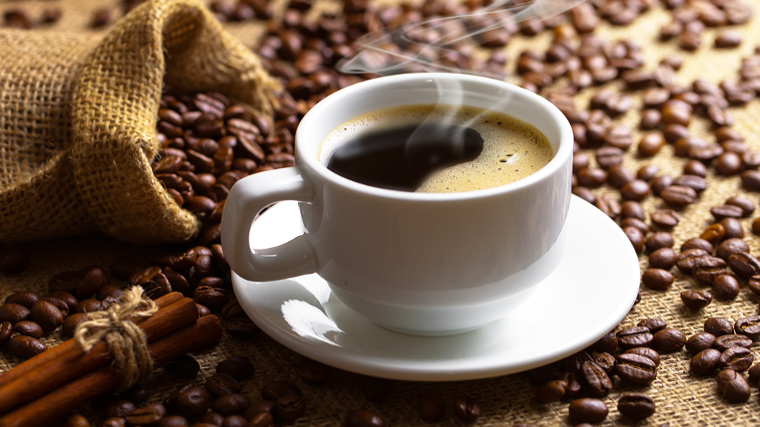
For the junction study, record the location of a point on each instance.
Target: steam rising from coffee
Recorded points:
(406, 49)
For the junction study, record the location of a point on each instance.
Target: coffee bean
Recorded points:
(632, 209)
(588, 410)
(660, 183)
(636, 336)
(605, 360)
(230, 404)
(87, 306)
(647, 173)
(699, 341)
(714, 233)
(29, 328)
(313, 372)
(725, 287)
(6, 329)
(729, 247)
(729, 163)
(364, 418)
(705, 362)
(697, 243)
(465, 408)
(737, 358)
(663, 258)
(261, 419)
(754, 374)
(733, 228)
(608, 343)
(176, 421)
(289, 408)
(27, 299)
(431, 404)
(668, 340)
(596, 379)
(114, 422)
(93, 278)
(148, 414)
(635, 405)
(753, 283)
(654, 324)
(748, 326)
(222, 384)
(47, 315)
(237, 367)
(14, 313)
(241, 327)
(635, 368)
(25, 346)
(678, 196)
(650, 119)
(75, 420)
(591, 177)
(718, 326)
(118, 409)
(636, 238)
(618, 176)
(585, 194)
(273, 390)
(608, 156)
(746, 205)
(609, 205)
(696, 300)
(729, 340)
(732, 386)
(655, 278)
(635, 190)
(665, 218)
(650, 145)
(646, 352)
(551, 391)
(751, 180)
(744, 264)
(658, 240)
(726, 211)
(693, 260)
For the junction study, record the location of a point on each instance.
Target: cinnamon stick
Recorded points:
(206, 330)
(75, 363)
(46, 356)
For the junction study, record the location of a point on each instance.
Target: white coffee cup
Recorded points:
(421, 263)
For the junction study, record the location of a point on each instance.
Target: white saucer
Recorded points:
(588, 294)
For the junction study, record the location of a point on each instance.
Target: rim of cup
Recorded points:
(334, 101)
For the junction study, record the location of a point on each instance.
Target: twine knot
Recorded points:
(125, 341)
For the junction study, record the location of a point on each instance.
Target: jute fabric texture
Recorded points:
(682, 399)
(77, 133)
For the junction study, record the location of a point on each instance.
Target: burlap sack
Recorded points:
(78, 118)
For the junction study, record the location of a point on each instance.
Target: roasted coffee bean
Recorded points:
(636, 336)
(660, 239)
(754, 374)
(592, 177)
(663, 258)
(241, 327)
(14, 313)
(137, 393)
(273, 390)
(718, 326)
(222, 384)
(551, 391)
(25, 346)
(732, 386)
(650, 145)
(313, 372)
(749, 327)
(729, 247)
(289, 408)
(728, 163)
(737, 358)
(726, 211)
(148, 414)
(668, 340)
(25, 298)
(575, 362)
(211, 297)
(607, 343)
(93, 278)
(230, 404)
(47, 315)
(697, 183)
(647, 173)
(691, 264)
(655, 278)
(239, 367)
(753, 283)
(596, 379)
(751, 180)
(733, 228)
(28, 328)
(744, 264)
(6, 329)
(114, 422)
(678, 196)
(705, 362)
(725, 287)
(108, 291)
(650, 119)
(635, 223)
(646, 352)
(654, 324)
(746, 205)
(174, 421)
(696, 168)
(364, 418)
(636, 238)
(707, 276)
(75, 420)
(729, 340)
(635, 368)
(635, 190)
(87, 306)
(431, 404)
(697, 243)
(605, 360)
(699, 341)
(191, 401)
(635, 405)
(665, 218)
(118, 408)
(632, 209)
(585, 194)
(696, 300)
(660, 183)
(588, 410)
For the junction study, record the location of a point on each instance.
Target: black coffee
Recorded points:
(402, 158)
(435, 149)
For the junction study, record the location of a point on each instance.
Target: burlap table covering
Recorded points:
(681, 398)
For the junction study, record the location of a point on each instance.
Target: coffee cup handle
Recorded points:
(246, 199)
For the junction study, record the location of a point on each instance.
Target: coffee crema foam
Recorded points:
(512, 149)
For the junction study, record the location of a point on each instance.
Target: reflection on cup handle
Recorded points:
(246, 199)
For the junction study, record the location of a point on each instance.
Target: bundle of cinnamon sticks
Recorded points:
(57, 381)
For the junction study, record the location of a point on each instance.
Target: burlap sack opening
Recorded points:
(78, 119)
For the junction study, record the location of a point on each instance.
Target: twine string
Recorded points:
(125, 341)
